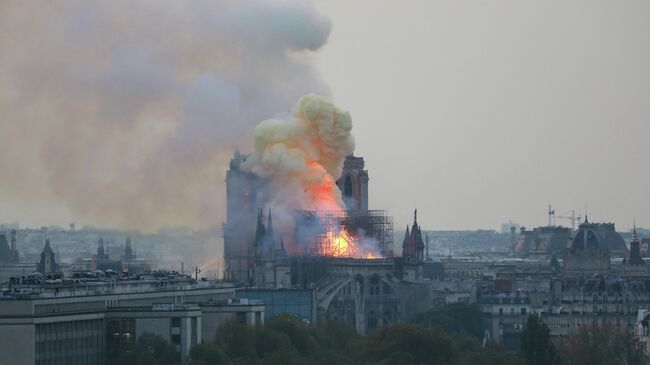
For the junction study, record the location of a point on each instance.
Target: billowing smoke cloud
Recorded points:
(126, 112)
(301, 158)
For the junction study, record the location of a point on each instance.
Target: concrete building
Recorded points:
(80, 320)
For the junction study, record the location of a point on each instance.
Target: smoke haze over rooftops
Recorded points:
(124, 113)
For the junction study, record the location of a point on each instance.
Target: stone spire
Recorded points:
(413, 246)
(260, 232)
(269, 225)
(47, 264)
(101, 253)
(635, 249)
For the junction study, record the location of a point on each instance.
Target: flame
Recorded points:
(342, 244)
(339, 245)
(321, 189)
(372, 255)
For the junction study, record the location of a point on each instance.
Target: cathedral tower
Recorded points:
(353, 184)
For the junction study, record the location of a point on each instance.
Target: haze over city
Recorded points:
(289, 182)
(474, 113)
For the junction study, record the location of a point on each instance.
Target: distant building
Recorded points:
(508, 226)
(588, 252)
(129, 255)
(541, 242)
(8, 253)
(101, 252)
(102, 261)
(633, 264)
(48, 264)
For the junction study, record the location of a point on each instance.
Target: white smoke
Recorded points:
(301, 158)
(125, 112)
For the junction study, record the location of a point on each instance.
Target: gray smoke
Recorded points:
(126, 112)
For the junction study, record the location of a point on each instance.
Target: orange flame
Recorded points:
(341, 245)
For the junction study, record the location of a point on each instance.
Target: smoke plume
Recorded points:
(301, 158)
(125, 113)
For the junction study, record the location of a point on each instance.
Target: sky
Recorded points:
(474, 112)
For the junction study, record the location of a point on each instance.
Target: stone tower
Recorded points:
(47, 265)
(129, 255)
(246, 193)
(353, 184)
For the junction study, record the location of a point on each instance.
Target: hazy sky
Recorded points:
(479, 111)
(472, 111)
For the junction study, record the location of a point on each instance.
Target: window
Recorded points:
(523, 311)
(176, 339)
(347, 190)
(176, 322)
(241, 317)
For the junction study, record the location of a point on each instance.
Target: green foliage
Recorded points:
(535, 345)
(302, 337)
(208, 353)
(457, 319)
(410, 344)
(149, 350)
(595, 345)
(285, 340)
(472, 353)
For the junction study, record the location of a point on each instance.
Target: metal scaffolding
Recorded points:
(344, 233)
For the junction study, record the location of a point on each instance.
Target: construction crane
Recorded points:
(551, 216)
(571, 218)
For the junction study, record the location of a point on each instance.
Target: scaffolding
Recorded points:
(343, 233)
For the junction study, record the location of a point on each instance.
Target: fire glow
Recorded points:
(338, 245)
(301, 158)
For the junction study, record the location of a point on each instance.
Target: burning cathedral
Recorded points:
(298, 216)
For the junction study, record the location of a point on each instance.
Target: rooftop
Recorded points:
(37, 285)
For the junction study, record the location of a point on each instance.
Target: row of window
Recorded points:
(74, 342)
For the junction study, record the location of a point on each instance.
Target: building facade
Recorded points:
(81, 320)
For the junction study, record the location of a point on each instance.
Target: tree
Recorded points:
(207, 353)
(149, 350)
(302, 337)
(457, 319)
(606, 344)
(405, 344)
(237, 341)
(535, 345)
(472, 353)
